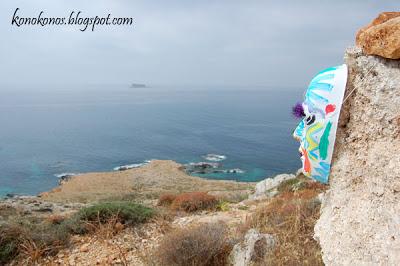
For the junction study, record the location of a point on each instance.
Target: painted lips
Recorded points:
(307, 165)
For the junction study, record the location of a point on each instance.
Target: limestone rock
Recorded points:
(266, 187)
(382, 36)
(360, 213)
(254, 247)
(37, 206)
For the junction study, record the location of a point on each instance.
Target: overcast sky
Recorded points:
(268, 43)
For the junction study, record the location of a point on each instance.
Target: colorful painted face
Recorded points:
(317, 131)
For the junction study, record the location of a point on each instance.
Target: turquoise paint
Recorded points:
(324, 142)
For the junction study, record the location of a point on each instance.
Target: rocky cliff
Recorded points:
(360, 214)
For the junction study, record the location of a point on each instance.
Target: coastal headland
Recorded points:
(145, 183)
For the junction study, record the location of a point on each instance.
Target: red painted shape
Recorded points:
(330, 108)
(307, 165)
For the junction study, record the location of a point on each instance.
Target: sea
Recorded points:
(46, 131)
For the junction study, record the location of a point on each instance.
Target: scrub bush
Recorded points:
(194, 201)
(291, 217)
(202, 245)
(124, 212)
(166, 199)
(31, 239)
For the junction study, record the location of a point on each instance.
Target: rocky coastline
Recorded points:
(144, 184)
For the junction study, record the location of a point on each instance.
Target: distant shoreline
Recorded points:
(145, 182)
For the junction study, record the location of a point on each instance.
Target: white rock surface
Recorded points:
(360, 214)
(266, 187)
(254, 244)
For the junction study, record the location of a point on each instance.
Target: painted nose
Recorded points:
(298, 132)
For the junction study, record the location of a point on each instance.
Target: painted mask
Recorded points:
(317, 130)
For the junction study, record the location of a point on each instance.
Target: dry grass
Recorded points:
(291, 217)
(105, 229)
(33, 250)
(188, 202)
(202, 245)
(9, 242)
(31, 239)
(194, 201)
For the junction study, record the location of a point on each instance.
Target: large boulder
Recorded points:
(254, 247)
(382, 36)
(360, 213)
(267, 186)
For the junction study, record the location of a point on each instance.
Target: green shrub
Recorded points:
(33, 238)
(126, 212)
(223, 206)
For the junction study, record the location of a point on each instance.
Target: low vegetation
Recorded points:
(126, 212)
(33, 238)
(291, 217)
(203, 245)
(223, 206)
(166, 199)
(299, 183)
(189, 202)
(9, 243)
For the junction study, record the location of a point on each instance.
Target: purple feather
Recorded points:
(298, 110)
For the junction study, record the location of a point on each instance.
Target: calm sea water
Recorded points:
(45, 132)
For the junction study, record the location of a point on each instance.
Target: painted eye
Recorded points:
(310, 119)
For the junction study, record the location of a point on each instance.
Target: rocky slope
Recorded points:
(131, 245)
(289, 200)
(360, 215)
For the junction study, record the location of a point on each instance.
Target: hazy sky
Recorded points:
(272, 43)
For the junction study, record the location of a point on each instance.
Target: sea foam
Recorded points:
(131, 166)
(214, 157)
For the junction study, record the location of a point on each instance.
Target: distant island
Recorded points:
(138, 85)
